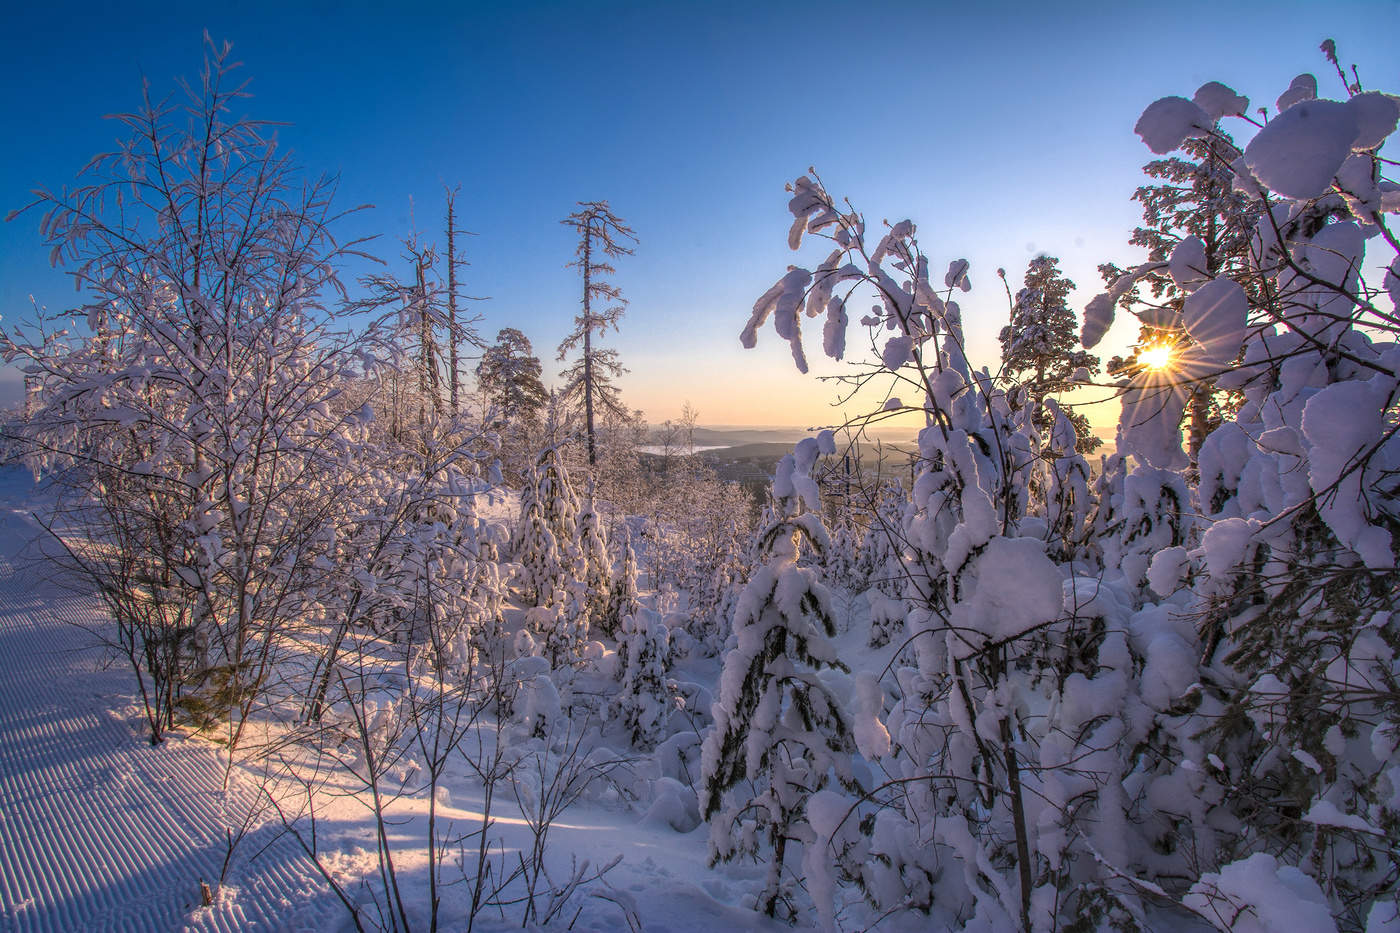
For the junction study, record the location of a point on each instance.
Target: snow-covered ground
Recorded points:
(101, 831)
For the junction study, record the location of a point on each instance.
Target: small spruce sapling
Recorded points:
(535, 547)
(623, 599)
(646, 697)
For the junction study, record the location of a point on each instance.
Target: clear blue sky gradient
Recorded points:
(1003, 129)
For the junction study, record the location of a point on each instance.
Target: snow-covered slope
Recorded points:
(98, 830)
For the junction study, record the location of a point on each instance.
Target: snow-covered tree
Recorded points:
(555, 492)
(646, 697)
(1066, 490)
(839, 562)
(700, 526)
(1296, 568)
(590, 380)
(1039, 346)
(435, 585)
(881, 561)
(881, 566)
(536, 547)
(593, 574)
(558, 634)
(623, 599)
(509, 378)
(1009, 756)
(780, 735)
(1194, 204)
(415, 381)
(190, 406)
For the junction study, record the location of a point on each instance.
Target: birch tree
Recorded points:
(191, 405)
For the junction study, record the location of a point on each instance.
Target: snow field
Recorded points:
(98, 830)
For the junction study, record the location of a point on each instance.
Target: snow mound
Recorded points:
(1258, 895)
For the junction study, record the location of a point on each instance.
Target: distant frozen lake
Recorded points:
(678, 451)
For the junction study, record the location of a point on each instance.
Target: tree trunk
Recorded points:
(1018, 817)
(588, 344)
(1199, 407)
(425, 339)
(452, 335)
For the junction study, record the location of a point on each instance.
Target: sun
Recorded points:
(1156, 357)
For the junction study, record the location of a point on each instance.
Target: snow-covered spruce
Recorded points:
(779, 734)
(536, 549)
(623, 599)
(646, 696)
(590, 583)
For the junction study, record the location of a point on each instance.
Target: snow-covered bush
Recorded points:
(190, 408)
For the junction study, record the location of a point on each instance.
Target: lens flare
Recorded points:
(1156, 357)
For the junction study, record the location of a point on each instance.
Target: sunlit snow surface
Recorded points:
(99, 831)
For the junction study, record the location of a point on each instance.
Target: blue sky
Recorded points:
(1003, 130)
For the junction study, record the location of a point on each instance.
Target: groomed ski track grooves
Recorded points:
(98, 830)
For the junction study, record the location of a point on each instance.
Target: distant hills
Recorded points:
(742, 437)
(753, 453)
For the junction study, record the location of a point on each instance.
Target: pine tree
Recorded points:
(1038, 346)
(1195, 197)
(509, 377)
(508, 383)
(590, 379)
